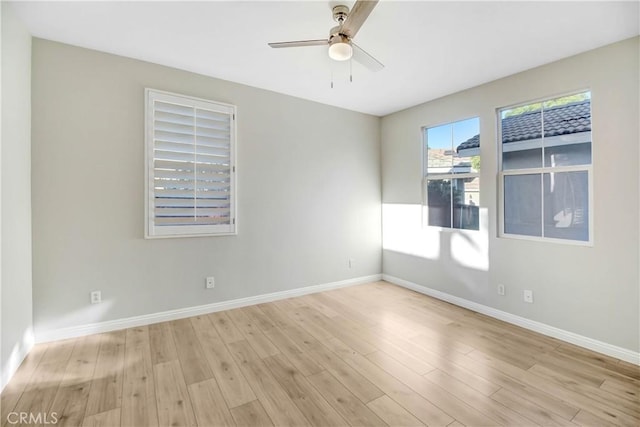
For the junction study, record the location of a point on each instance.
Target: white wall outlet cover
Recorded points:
(528, 296)
(210, 282)
(96, 297)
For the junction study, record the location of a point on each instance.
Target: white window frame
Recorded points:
(153, 231)
(541, 171)
(426, 177)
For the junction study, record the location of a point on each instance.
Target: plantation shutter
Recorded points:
(190, 160)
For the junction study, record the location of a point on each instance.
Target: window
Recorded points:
(190, 185)
(545, 153)
(452, 174)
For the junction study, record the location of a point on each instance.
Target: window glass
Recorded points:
(523, 205)
(566, 205)
(466, 196)
(567, 131)
(439, 149)
(546, 164)
(466, 146)
(439, 202)
(452, 160)
(521, 130)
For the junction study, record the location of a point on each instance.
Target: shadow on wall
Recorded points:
(404, 230)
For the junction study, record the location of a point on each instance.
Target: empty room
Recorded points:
(327, 213)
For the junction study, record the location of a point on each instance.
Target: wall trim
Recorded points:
(181, 313)
(542, 328)
(17, 356)
(147, 319)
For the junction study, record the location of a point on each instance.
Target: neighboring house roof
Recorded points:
(439, 157)
(473, 142)
(560, 120)
(446, 161)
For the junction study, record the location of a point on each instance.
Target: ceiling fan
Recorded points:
(340, 41)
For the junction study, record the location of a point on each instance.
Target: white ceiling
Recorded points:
(430, 48)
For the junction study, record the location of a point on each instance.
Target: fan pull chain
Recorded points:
(332, 78)
(351, 70)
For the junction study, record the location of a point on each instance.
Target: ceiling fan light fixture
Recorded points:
(340, 49)
(340, 40)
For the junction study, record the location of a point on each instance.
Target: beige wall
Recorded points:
(15, 191)
(308, 193)
(309, 198)
(591, 291)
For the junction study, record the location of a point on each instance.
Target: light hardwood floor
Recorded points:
(367, 355)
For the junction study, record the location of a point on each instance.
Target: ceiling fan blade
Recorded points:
(361, 56)
(357, 16)
(300, 43)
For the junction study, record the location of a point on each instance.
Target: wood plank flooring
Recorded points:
(368, 355)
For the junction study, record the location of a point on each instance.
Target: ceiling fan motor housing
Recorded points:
(335, 35)
(340, 13)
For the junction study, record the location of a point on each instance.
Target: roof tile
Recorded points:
(559, 120)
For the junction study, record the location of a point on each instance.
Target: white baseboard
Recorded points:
(18, 353)
(561, 334)
(181, 313)
(129, 322)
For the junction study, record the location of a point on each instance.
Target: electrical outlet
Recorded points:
(527, 296)
(96, 297)
(501, 290)
(211, 282)
(352, 262)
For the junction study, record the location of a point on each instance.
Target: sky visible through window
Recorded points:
(440, 137)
